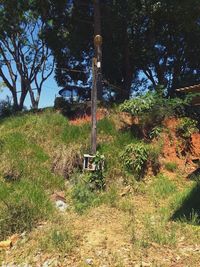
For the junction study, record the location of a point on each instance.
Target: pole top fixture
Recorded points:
(98, 40)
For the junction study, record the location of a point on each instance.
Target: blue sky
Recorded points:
(49, 91)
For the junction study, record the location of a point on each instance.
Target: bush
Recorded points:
(186, 128)
(155, 132)
(138, 157)
(135, 158)
(61, 104)
(6, 108)
(152, 108)
(83, 198)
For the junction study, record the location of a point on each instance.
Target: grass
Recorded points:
(157, 230)
(57, 239)
(171, 166)
(26, 175)
(38, 150)
(162, 187)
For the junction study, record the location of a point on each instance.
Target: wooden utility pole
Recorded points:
(96, 72)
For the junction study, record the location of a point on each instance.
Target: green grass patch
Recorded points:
(171, 166)
(162, 187)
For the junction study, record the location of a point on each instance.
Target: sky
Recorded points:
(49, 92)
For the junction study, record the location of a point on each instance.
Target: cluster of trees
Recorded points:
(145, 43)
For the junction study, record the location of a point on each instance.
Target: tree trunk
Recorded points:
(16, 106)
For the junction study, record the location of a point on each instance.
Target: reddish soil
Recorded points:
(174, 147)
(101, 113)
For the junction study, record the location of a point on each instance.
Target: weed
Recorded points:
(171, 166)
(157, 230)
(57, 239)
(126, 205)
(111, 197)
(23, 205)
(83, 198)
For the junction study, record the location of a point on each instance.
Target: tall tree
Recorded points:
(152, 41)
(24, 56)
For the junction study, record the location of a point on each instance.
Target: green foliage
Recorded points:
(154, 105)
(139, 105)
(62, 105)
(135, 158)
(6, 108)
(171, 166)
(83, 198)
(22, 206)
(155, 132)
(162, 187)
(186, 127)
(155, 57)
(97, 176)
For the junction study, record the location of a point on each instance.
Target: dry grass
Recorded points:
(67, 159)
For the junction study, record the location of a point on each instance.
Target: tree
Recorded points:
(145, 41)
(169, 43)
(25, 60)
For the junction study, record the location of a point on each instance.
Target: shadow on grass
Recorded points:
(190, 209)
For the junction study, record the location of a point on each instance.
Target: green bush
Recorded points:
(61, 104)
(152, 108)
(83, 198)
(186, 128)
(155, 132)
(135, 158)
(6, 108)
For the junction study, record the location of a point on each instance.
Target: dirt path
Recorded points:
(103, 239)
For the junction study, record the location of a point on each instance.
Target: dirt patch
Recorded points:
(86, 118)
(174, 147)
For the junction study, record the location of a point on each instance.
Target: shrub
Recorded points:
(155, 132)
(83, 198)
(152, 108)
(61, 104)
(186, 128)
(135, 158)
(138, 157)
(6, 108)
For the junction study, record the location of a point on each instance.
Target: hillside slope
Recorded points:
(151, 221)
